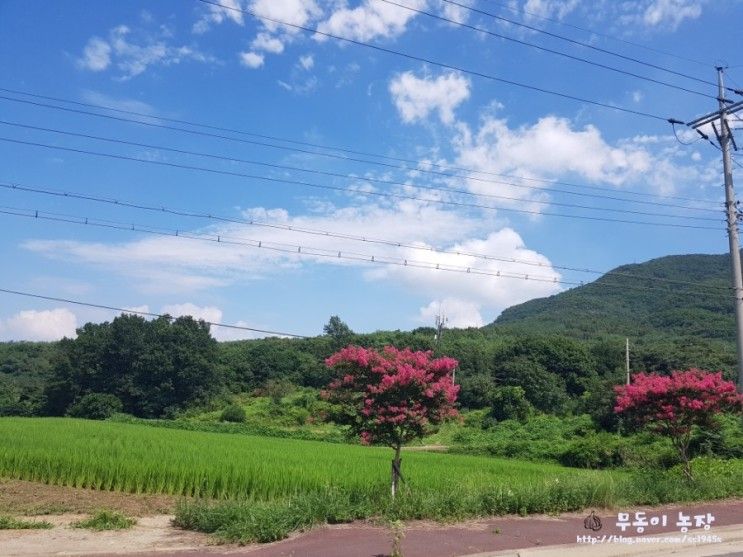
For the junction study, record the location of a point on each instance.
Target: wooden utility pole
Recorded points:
(626, 357)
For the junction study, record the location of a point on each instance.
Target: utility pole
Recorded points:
(725, 139)
(441, 321)
(626, 357)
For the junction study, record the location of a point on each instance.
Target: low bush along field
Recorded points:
(351, 481)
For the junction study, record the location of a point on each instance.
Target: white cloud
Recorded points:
(415, 98)
(458, 313)
(553, 148)
(267, 43)
(213, 314)
(556, 9)
(307, 62)
(132, 56)
(207, 313)
(39, 325)
(661, 15)
(137, 310)
(96, 55)
(406, 221)
(295, 12)
(671, 13)
(476, 295)
(456, 13)
(229, 10)
(369, 20)
(251, 60)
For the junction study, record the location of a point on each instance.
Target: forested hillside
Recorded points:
(682, 295)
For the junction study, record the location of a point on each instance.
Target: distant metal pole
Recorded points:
(732, 221)
(626, 357)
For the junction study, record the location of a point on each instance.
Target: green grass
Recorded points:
(261, 488)
(10, 523)
(139, 459)
(106, 520)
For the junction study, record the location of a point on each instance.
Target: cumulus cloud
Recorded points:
(213, 314)
(473, 299)
(415, 98)
(207, 313)
(96, 55)
(251, 60)
(267, 43)
(458, 313)
(39, 325)
(554, 148)
(133, 55)
(407, 222)
(370, 20)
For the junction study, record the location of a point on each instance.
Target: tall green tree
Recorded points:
(154, 368)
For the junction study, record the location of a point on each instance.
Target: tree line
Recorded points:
(160, 367)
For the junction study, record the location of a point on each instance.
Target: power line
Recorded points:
(419, 165)
(580, 43)
(143, 313)
(599, 34)
(441, 64)
(319, 232)
(347, 190)
(545, 49)
(346, 176)
(291, 249)
(298, 250)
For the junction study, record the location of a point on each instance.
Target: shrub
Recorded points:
(106, 520)
(234, 413)
(509, 403)
(601, 450)
(9, 523)
(96, 406)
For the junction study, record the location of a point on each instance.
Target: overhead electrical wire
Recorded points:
(316, 232)
(292, 249)
(546, 49)
(441, 64)
(420, 166)
(519, 11)
(582, 44)
(140, 312)
(303, 251)
(347, 190)
(349, 177)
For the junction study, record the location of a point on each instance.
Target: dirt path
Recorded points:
(151, 533)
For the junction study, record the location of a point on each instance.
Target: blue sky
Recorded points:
(190, 61)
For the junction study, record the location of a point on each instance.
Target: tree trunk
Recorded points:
(396, 462)
(683, 449)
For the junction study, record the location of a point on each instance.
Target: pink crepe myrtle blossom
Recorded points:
(391, 397)
(672, 405)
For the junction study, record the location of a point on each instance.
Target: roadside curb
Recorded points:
(731, 538)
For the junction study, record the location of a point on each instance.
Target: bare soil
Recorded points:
(19, 497)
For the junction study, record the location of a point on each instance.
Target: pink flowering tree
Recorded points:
(391, 397)
(673, 405)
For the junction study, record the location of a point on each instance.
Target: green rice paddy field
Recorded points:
(143, 459)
